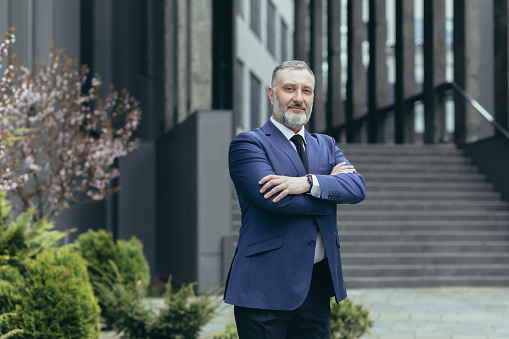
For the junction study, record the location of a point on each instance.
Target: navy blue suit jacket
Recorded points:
(274, 260)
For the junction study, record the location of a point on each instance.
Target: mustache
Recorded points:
(303, 106)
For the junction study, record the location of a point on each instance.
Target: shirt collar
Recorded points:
(288, 133)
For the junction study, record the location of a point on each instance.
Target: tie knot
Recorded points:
(297, 139)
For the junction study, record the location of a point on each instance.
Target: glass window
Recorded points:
(284, 41)
(255, 16)
(255, 101)
(238, 94)
(271, 27)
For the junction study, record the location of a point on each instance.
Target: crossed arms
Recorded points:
(254, 176)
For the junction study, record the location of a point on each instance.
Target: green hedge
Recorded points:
(349, 321)
(99, 249)
(57, 300)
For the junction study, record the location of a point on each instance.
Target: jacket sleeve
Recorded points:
(248, 164)
(343, 188)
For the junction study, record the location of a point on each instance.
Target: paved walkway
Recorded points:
(420, 313)
(423, 313)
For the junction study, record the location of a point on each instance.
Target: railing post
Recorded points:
(405, 78)
(434, 69)
(299, 35)
(466, 69)
(377, 70)
(356, 84)
(501, 62)
(318, 122)
(335, 107)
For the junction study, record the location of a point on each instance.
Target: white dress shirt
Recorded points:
(316, 190)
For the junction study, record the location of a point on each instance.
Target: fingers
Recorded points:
(342, 168)
(267, 182)
(281, 186)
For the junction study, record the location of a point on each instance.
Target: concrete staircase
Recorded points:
(430, 219)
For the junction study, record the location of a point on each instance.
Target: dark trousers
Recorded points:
(310, 320)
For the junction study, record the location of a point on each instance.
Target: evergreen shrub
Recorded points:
(99, 249)
(230, 332)
(11, 333)
(57, 300)
(349, 321)
(21, 238)
(185, 313)
(182, 317)
(122, 306)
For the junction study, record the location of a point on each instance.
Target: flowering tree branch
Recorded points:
(8, 179)
(74, 135)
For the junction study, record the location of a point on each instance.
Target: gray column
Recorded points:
(405, 77)
(170, 64)
(194, 215)
(467, 57)
(299, 33)
(356, 88)
(377, 69)
(318, 122)
(200, 38)
(501, 60)
(434, 70)
(335, 109)
(183, 58)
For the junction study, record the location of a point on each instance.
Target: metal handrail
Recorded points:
(479, 108)
(420, 96)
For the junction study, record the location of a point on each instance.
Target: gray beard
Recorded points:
(290, 119)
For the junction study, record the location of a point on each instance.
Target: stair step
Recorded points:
(424, 246)
(421, 186)
(425, 236)
(394, 161)
(422, 225)
(368, 169)
(425, 270)
(433, 195)
(424, 258)
(376, 205)
(427, 281)
(425, 177)
(401, 151)
(349, 215)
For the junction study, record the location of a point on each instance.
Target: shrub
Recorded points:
(349, 321)
(57, 301)
(185, 313)
(230, 332)
(21, 238)
(122, 306)
(99, 248)
(11, 333)
(182, 317)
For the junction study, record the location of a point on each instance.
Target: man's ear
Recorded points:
(270, 93)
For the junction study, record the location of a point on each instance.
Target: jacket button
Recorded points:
(312, 242)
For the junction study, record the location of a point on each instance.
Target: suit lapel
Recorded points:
(313, 153)
(280, 141)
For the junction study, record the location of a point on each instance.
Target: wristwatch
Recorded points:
(310, 180)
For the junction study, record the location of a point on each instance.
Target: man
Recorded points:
(287, 264)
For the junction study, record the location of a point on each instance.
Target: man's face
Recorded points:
(292, 99)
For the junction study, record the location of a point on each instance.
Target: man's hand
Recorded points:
(342, 167)
(283, 184)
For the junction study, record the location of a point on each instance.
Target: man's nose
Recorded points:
(298, 97)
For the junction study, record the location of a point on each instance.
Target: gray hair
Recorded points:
(291, 64)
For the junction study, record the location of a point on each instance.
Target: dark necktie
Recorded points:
(299, 143)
